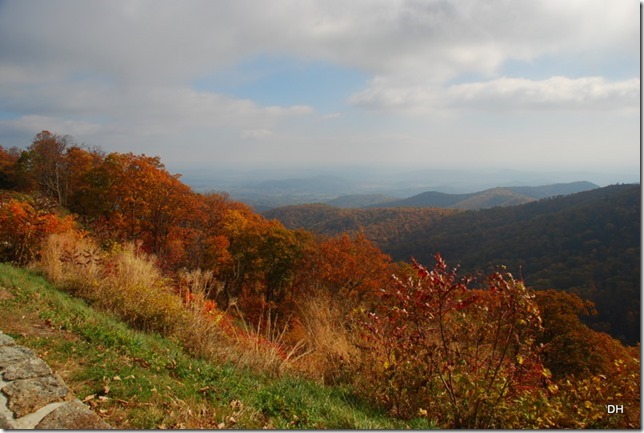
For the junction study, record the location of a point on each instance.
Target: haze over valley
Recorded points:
(370, 186)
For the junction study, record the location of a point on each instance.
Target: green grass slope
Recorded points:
(135, 380)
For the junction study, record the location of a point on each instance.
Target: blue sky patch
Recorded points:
(285, 81)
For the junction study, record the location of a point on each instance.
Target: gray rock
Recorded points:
(73, 415)
(31, 396)
(5, 340)
(27, 369)
(12, 354)
(28, 395)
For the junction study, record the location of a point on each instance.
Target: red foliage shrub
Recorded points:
(460, 356)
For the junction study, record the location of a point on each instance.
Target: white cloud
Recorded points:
(143, 110)
(169, 41)
(383, 94)
(502, 94)
(255, 134)
(331, 116)
(556, 93)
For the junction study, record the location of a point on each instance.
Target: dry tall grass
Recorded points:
(71, 260)
(129, 284)
(265, 347)
(123, 281)
(333, 350)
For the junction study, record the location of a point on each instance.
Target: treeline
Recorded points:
(423, 342)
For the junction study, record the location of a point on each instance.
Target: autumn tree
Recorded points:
(53, 165)
(208, 247)
(45, 162)
(590, 370)
(9, 170)
(78, 162)
(281, 251)
(571, 348)
(264, 256)
(351, 268)
(133, 197)
(24, 224)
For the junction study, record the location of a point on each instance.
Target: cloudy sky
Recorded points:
(530, 84)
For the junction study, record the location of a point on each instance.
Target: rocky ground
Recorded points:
(33, 397)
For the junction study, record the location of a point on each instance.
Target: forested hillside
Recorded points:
(383, 226)
(418, 339)
(587, 243)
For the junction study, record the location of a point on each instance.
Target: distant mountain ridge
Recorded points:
(493, 197)
(355, 212)
(553, 190)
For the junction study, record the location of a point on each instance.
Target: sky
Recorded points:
(514, 84)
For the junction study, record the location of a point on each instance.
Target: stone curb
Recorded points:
(33, 397)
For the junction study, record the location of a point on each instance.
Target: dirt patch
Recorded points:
(5, 294)
(24, 321)
(26, 325)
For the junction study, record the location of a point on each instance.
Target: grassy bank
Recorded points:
(138, 380)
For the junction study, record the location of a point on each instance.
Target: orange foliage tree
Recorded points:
(133, 198)
(24, 226)
(570, 346)
(208, 244)
(351, 268)
(264, 256)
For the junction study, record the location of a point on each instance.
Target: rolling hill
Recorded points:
(380, 225)
(493, 197)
